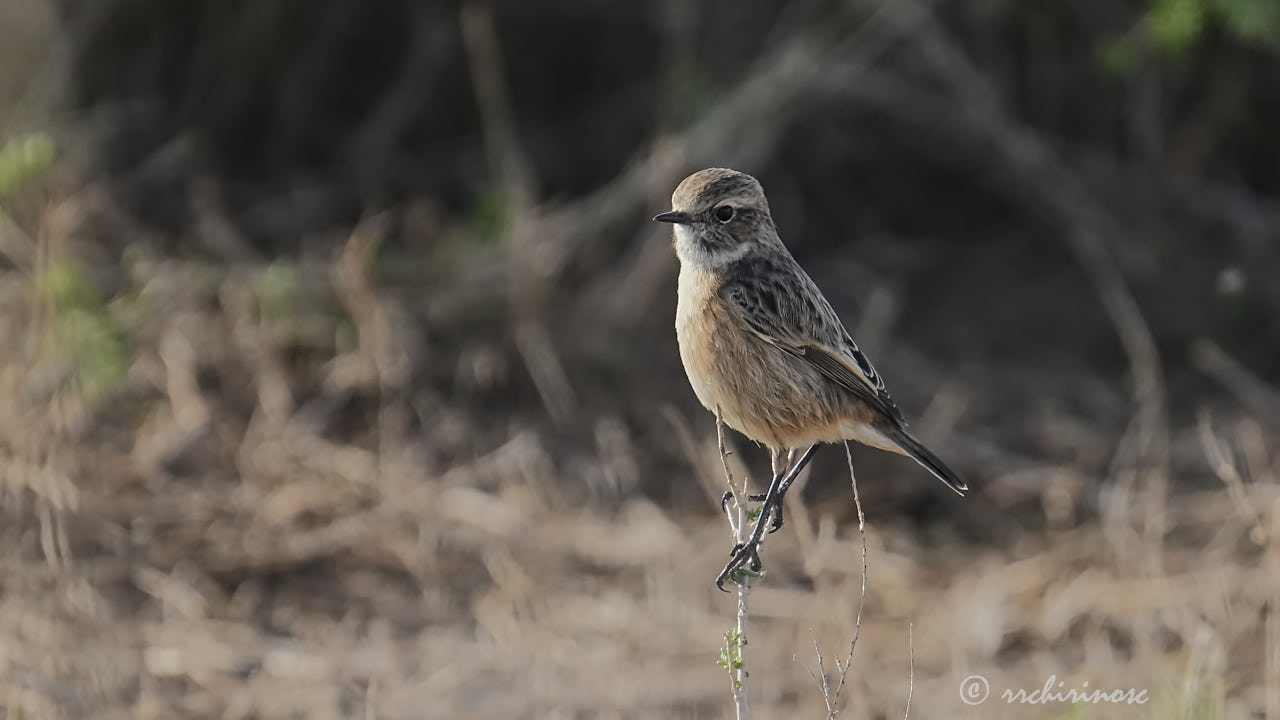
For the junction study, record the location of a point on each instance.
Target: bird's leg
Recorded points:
(776, 525)
(781, 460)
(792, 475)
(779, 468)
(779, 471)
(748, 552)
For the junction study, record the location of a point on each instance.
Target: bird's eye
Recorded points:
(724, 213)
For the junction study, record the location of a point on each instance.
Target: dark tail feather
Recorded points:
(928, 460)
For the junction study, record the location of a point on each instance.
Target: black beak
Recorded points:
(678, 218)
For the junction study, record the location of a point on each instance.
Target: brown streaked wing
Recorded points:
(763, 305)
(835, 368)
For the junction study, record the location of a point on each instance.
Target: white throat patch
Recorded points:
(692, 252)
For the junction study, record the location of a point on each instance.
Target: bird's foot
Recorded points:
(775, 523)
(744, 562)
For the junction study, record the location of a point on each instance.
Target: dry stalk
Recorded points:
(911, 677)
(1271, 663)
(830, 695)
(1252, 391)
(1222, 462)
(734, 655)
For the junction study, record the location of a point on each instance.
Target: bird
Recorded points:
(763, 348)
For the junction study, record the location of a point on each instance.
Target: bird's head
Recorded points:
(720, 216)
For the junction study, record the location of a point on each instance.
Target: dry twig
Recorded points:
(911, 678)
(831, 696)
(1252, 391)
(735, 651)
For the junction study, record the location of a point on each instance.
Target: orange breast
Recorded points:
(763, 392)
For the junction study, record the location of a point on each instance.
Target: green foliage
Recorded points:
(84, 332)
(1256, 22)
(96, 348)
(65, 286)
(731, 654)
(1120, 56)
(740, 575)
(491, 215)
(23, 158)
(1176, 24)
(276, 291)
(1207, 702)
(1174, 27)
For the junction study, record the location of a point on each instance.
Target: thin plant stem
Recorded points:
(911, 679)
(831, 696)
(736, 642)
(862, 593)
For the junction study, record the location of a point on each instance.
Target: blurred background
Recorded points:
(340, 378)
